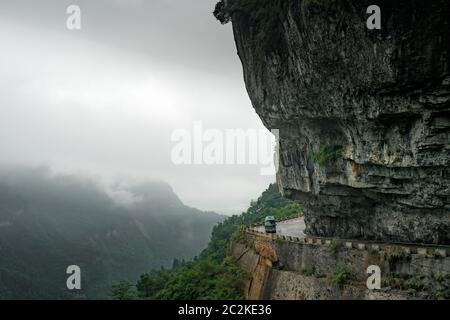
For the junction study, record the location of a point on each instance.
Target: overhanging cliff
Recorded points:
(364, 115)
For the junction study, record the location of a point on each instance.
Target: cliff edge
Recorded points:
(364, 115)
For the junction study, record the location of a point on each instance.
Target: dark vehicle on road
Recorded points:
(270, 224)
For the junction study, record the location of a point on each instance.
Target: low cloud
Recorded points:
(106, 99)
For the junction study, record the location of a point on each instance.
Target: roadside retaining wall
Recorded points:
(312, 262)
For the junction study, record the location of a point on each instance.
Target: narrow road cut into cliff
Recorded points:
(292, 228)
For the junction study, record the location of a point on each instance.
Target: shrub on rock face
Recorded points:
(394, 255)
(414, 285)
(221, 13)
(327, 154)
(340, 276)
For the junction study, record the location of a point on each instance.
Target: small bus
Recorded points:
(270, 224)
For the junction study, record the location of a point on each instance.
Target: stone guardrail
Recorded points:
(409, 248)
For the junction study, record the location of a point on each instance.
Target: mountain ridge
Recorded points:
(48, 222)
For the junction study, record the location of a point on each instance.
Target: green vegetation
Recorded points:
(340, 276)
(387, 281)
(196, 280)
(123, 291)
(443, 288)
(394, 281)
(326, 154)
(212, 275)
(394, 255)
(414, 285)
(441, 277)
(437, 287)
(239, 236)
(58, 220)
(335, 246)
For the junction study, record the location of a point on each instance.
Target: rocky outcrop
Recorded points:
(364, 115)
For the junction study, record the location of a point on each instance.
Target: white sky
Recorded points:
(105, 100)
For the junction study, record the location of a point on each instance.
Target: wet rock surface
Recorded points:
(364, 115)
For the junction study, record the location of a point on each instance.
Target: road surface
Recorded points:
(292, 228)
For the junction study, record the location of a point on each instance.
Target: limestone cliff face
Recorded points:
(364, 115)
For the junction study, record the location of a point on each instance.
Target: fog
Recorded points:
(49, 221)
(103, 101)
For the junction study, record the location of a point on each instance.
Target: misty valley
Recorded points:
(49, 222)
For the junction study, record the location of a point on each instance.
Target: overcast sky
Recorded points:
(105, 100)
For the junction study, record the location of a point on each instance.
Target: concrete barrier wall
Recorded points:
(321, 256)
(437, 251)
(283, 267)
